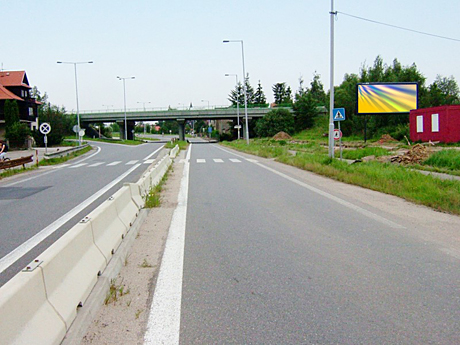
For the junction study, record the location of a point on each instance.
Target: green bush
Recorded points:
(17, 134)
(275, 121)
(449, 159)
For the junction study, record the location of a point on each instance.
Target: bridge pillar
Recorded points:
(181, 123)
(130, 130)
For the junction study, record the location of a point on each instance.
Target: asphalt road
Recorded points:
(274, 255)
(51, 200)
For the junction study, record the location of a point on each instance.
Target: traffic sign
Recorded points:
(338, 114)
(45, 128)
(337, 134)
(76, 129)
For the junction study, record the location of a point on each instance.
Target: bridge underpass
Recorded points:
(181, 116)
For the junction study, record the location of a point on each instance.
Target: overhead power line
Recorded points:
(399, 27)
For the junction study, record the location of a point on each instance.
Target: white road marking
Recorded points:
(342, 202)
(95, 164)
(201, 160)
(77, 165)
(218, 160)
(164, 319)
(251, 160)
(113, 163)
(21, 250)
(234, 160)
(132, 162)
(150, 155)
(149, 161)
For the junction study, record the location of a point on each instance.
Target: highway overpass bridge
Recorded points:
(181, 116)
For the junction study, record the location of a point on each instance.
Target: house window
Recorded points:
(420, 124)
(435, 122)
(31, 111)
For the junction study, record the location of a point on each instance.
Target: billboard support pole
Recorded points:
(365, 128)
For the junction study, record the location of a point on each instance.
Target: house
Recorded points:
(14, 85)
(435, 124)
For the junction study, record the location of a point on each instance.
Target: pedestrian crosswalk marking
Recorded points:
(95, 164)
(78, 165)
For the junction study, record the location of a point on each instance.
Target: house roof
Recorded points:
(14, 78)
(5, 94)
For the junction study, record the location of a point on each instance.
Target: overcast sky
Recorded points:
(174, 48)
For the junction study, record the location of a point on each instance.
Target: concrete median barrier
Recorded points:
(26, 316)
(127, 210)
(38, 305)
(108, 228)
(70, 270)
(136, 194)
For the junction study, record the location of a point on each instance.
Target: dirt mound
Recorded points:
(282, 136)
(416, 154)
(386, 138)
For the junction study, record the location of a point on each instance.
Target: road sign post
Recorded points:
(45, 128)
(338, 115)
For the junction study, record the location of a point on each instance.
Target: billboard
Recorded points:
(386, 98)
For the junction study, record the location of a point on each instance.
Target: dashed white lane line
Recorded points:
(132, 162)
(200, 160)
(149, 161)
(164, 319)
(234, 160)
(218, 160)
(113, 163)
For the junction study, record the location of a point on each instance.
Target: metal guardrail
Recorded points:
(65, 152)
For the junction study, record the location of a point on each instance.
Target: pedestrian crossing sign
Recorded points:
(338, 114)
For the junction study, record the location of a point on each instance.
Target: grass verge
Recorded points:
(441, 195)
(153, 198)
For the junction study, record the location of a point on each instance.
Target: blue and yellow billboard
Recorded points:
(386, 98)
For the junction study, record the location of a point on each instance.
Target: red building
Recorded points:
(14, 86)
(436, 124)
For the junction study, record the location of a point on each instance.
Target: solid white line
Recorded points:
(164, 320)
(329, 196)
(17, 253)
(56, 168)
(150, 155)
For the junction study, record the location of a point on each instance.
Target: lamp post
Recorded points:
(124, 97)
(76, 92)
(331, 87)
(244, 88)
(237, 104)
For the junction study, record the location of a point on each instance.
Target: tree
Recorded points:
(236, 96)
(249, 91)
(275, 121)
(443, 91)
(282, 93)
(317, 90)
(60, 123)
(11, 110)
(259, 96)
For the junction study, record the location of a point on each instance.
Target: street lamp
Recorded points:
(244, 89)
(144, 103)
(76, 92)
(124, 97)
(237, 103)
(331, 87)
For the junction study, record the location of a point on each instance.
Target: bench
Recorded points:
(16, 162)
